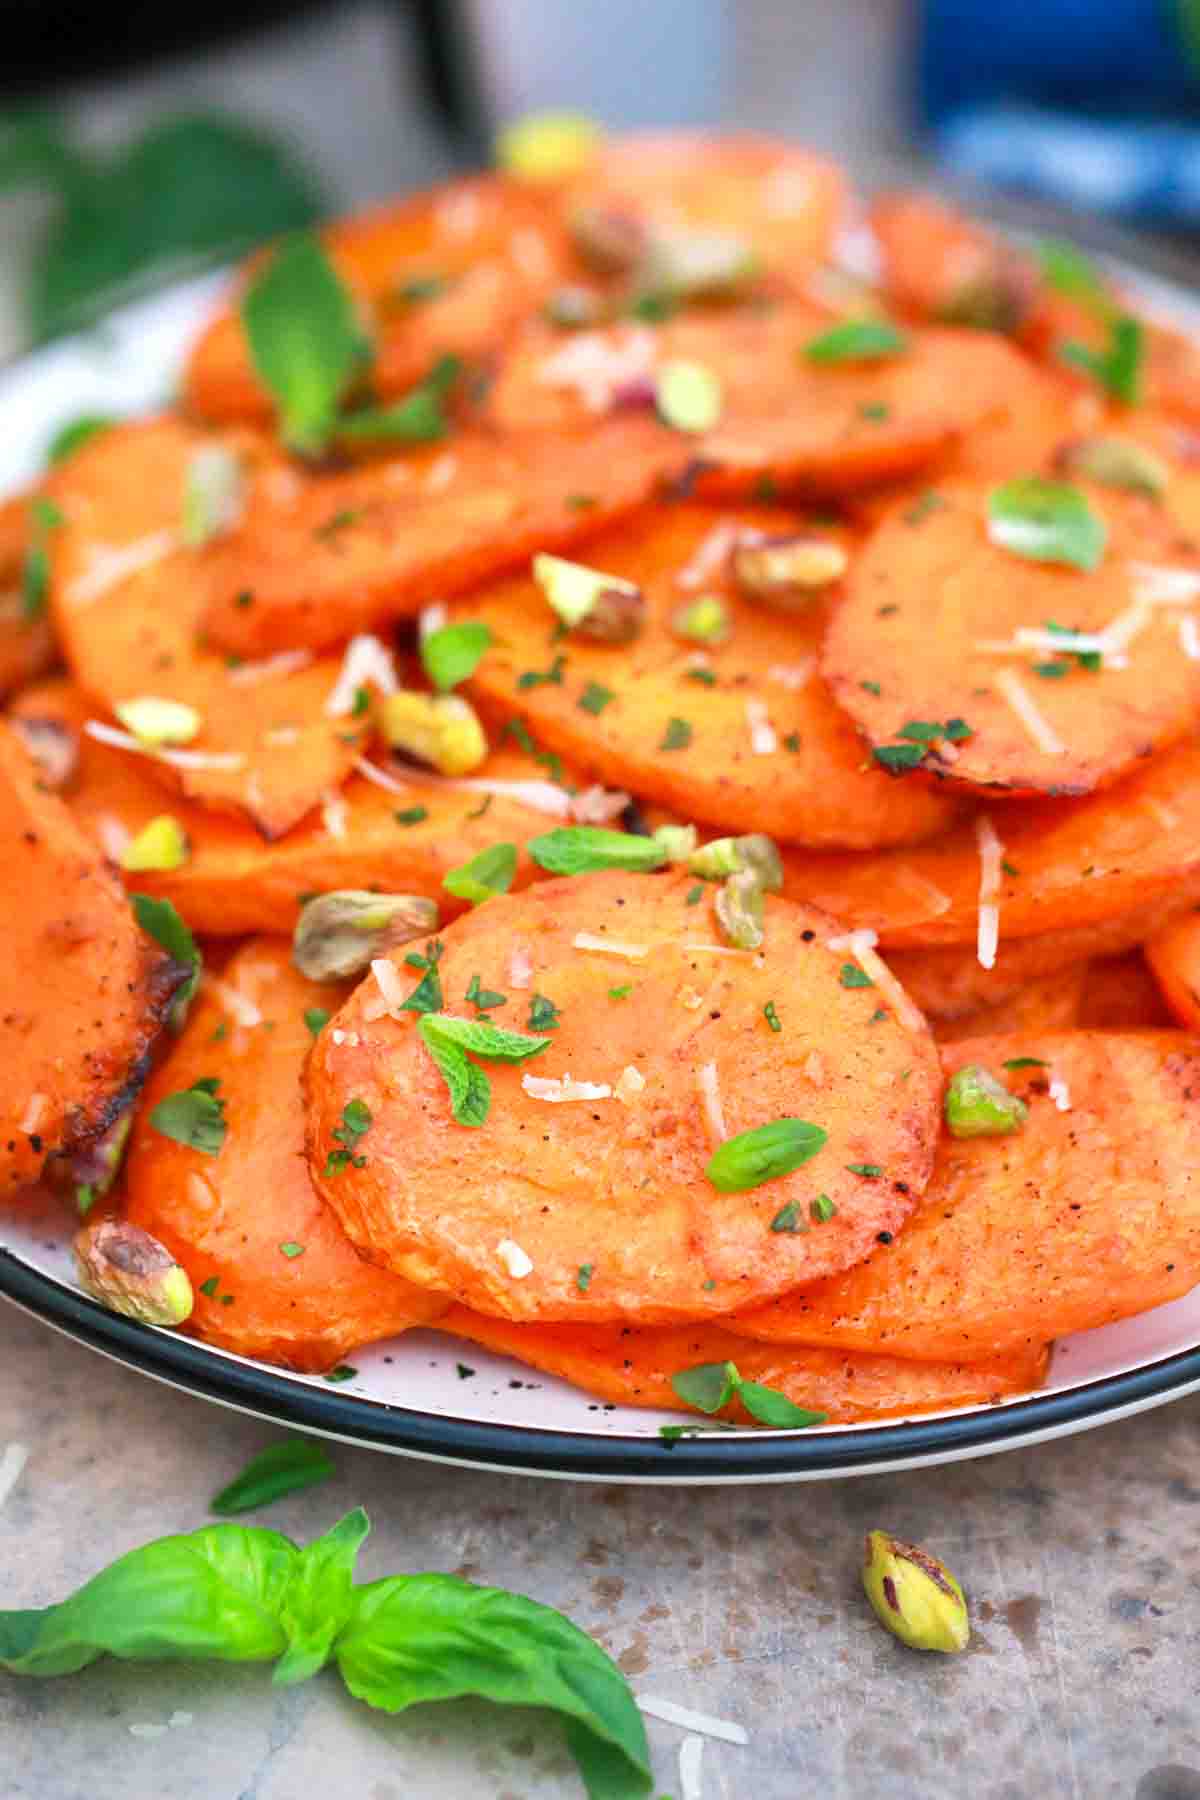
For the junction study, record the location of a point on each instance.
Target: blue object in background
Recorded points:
(1092, 103)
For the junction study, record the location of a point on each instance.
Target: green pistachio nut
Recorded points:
(153, 721)
(610, 241)
(787, 573)
(1116, 462)
(574, 307)
(998, 296)
(130, 1272)
(161, 845)
(688, 395)
(54, 747)
(702, 621)
(93, 1170)
(442, 730)
(914, 1595)
(729, 856)
(589, 602)
(739, 908)
(678, 841)
(340, 934)
(977, 1104)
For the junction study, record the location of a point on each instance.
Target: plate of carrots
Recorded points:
(598, 772)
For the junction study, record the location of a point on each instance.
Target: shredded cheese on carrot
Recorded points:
(1039, 728)
(177, 759)
(367, 662)
(520, 967)
(111, 564)
(764, 740)
(991, 856)
(518, 1262)
(711, 552)
(556, 1090)
(710, 1098)
(333, 814)
(630, 1084)
(590, 940)
(1189, 638)
(269, 668)
(862, 946)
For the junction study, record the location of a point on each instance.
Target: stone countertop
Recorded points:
(1081, 1559)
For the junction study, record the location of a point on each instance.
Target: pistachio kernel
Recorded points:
(678, 841)
(212, 495)
(1116, 462)
(786, 573)
(688, 395)
(547, 146)
(702, 621)
(340, 934)
(54, 747)
(914, 1595)
(979, 1105)
(94, 1169)
(739, 909)
(756, 853)
(442, 730)
(130, 1272)
(589, 602)
(610, 241)
(160, 846)
(155, 721)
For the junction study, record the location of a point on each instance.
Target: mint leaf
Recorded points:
(194, 1117)
(856, 340)
(304, 340)
(1046, 521)
(495, 1043)
(483, 876)
(581, 849)
(452, 654)
(707, 1386)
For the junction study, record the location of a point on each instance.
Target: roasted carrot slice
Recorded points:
(127, 603)
(939, 264)
(784, 204)
(274, 1276)
(1062, 864)
(1120, 993)
(1174, 959)
(402, 837)
(85, 991)
(324, 556)
(1090, 1213)
(448, 272)
(633, 1366)
(678, 726)
(669, 1027)
(949, 980)
(26, 640)
(1050, 1003)
(929, 598)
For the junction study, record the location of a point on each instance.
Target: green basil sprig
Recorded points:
(305, 340)
(283, 1468)
(237, 1593)
(581, 849)
(1046, 521)
(711, 1386)
(752, 1157)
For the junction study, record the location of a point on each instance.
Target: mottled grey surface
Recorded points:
(1081, 1559)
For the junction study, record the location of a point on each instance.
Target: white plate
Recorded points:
(409, 1395)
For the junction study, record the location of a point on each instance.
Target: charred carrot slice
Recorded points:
(273, 1275)
(1174, 959)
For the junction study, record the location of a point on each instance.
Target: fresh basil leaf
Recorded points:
(418, 1638)
(319, 1599)
(74, 434)
(770, 1407)
(282, 1468)
(1046, 521)
(194, 1117)
(483, 876)
(1118, 367)
(304, 340)
(856, 340)
(453, 654)
(481, 1038)
(752, 1157)
(419, 418)
(217, 1593)
(708, 1386)
(580, 849)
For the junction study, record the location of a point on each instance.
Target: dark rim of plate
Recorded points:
(272, 1393)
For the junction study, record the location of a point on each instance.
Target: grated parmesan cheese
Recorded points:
(589, 940)
(441, 473)
(333, 814)
(792, 676)
(239, 1006)
(861, 945)
(115, 837)
(711, 552)
(1060, 1093)
(763, 738)
(520, 967)
(284, 662)
(597, 364)
(935, 902)
(431, 618)
(538, 796)
(551, 1088)
(597, 805)
(31, 1117)
(630, 1084)
(683, 1716)
(1036, 724)
(991, 855)
(518, 1263)
(1162, 584)
(1189, 638)
(691, 1758)
(350, 1038)
(367, 660)
(110, 564)
(391, 989)
(710, 1096)
(177, 759)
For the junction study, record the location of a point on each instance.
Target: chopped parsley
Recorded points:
(922, 506)
(209, 1288)
(871, 687)
(788, 1219)
(677, 736)
(897, 758)
(543, 1014)
(292, 1250)
(583, 1279)
(411, 815)
(551, 677)
(595, 698)
(362, 702)
(356, 1122)
(792, 741)
(1024, 1062)
(621, 993)
(701, 674)
(195, 1117)
(871, 1171)
(484, 999)
(772, 1017)
(822, 1209)
(579, 502)
(694, 895)
(343, 1372)
(426, 997)
(338, 522)
(875, 410)
(851, 976)
(316, 1018)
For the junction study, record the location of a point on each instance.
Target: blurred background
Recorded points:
(141, 141)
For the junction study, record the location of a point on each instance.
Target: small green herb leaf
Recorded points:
(284, 1468)
(772, 1408)
(304, 339)
(485, 875)
(194, 1117)
(316, 1018)
(787, 1219)
(856, 340)
(543, 1014)
(581, 849)
(707, 1386)
(1046, 521)
(419, 418)
(493, 1042)
(595, 698)
(1024, 1062)
(453, 654)
(1118, 367)
(411, 815)
(896, 758)
(768, 1151)
(677, 736)
(74, 434)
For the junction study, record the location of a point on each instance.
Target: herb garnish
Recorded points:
(772, 1017)
(453, 654)
(544, 1015)
(583, 1279)
(194, 1117)
(411, 815)
(483, 876)
(551, 677)
(284, 1468)
(426, 997)
(316, 1018)
(302, 329)
(448, 1040)
(851, 976)
(856, 340)
(871, 1171)
(44, 517)
(677, 736)
(822, 1209)
(711, 1386)
(763, 1154)
(356, 1122)
(483, 999)
(595, 698)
